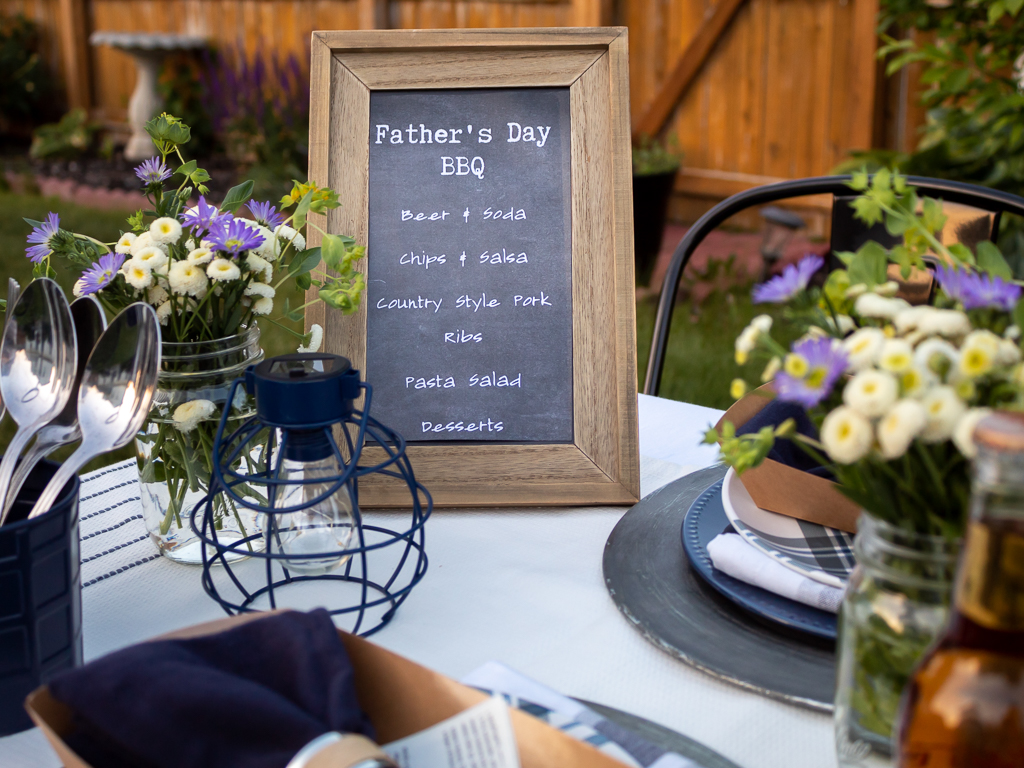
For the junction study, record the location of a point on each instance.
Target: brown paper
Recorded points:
(788, 491)
(400, 697)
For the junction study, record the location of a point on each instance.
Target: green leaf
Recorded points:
(334, 249)
(199, 176)
(305, 262)
(991, 260)
(1018, 314)
(962, 253)
(236, 196)
(957, 81)
(303, 282)
(188, 168)
(859, 180)
(299, 217)
(869, 264)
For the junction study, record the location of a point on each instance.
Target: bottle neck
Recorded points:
(990, 584)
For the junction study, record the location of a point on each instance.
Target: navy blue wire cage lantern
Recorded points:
(302, 457)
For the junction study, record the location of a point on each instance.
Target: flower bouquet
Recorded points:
(211, 275)
(895, 392)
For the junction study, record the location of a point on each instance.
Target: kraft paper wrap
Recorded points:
(401, 698)
(778, 488)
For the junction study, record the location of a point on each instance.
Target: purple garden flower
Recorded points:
(101, 274)
(153, 171)
(977, 291)
(822, 360)
(43, 235)
(203, 216)
(266, 214)
(792, 280)
(234, 237)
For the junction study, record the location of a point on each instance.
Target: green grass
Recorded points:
(699, 362)
(104, 226)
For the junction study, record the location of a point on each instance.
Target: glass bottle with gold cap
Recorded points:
(965, 705)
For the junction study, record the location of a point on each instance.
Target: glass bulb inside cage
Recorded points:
(322, 528)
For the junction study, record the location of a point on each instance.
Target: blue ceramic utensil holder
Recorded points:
(40, 596)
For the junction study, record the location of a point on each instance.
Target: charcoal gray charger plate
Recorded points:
(653, 584)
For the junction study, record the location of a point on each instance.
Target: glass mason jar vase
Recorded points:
(896, 603)
(175, 446)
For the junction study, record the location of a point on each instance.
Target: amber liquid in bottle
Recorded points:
(965, 704)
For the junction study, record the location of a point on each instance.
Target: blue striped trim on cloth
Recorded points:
(111, 526)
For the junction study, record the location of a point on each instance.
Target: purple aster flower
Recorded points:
(976, 291)
(810, 372)
(792, 280)
(42, 235)
(266, 214)
(101, 274)
(203, 216)
(153, 171)
(234, 237)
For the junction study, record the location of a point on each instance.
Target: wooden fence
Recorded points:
(755, 90)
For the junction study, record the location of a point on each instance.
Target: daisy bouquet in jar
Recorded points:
(212, 272)
(894, 392)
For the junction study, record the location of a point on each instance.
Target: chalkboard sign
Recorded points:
(488, 173)
(469, 285)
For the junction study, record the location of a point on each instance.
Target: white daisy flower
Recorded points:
(186, 278)
(199, 256)
(165, 230)
(263, 306)
(124, 243)
(944, 410)
(260, 289)
(163, 312)
(157, 295)
(256, 263)
(316, 338)
(152, 257)
(863, 347)
(898, 428)
(963, 433)
(936, 355)
(846, 435)
(978, 354)
(873, 305)
(188, 415)
(896, 356)
(76, 289)
(871, 393)
(747, 339)
(223, 270)
(287, 235)
(268, 248)
(138, 274)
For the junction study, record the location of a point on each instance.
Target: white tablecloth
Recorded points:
(520, 586)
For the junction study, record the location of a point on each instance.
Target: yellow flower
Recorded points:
(976, 361)
(771, 369)
(737, 389)
(796, 365)
(896, 357)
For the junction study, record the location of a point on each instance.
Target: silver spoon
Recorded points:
(90, 322)
(13, 291)
(115, 394)
(38, 357)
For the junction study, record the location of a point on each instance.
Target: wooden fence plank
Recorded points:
(687, 67)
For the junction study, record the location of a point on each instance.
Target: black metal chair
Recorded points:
(971, 195)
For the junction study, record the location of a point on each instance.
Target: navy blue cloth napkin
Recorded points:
(786, 451)
(250, 697)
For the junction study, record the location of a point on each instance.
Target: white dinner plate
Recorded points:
(821, 553)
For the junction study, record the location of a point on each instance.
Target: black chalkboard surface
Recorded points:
(469, 289)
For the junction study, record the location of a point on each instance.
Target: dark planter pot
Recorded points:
(651, 194)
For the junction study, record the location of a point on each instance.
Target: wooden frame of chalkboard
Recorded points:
(599, 464)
